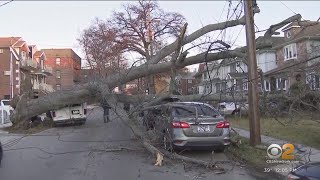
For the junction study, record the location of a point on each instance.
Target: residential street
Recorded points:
(68, 153)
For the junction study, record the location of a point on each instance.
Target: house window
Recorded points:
(290, 52)
(316, 82)
(7, 73)
(245, 84)
(58, 87)
(58, 74)
(288, 34)
(178, 82)
(58, 61)
(23, 54)
(42, 64)
(1, 51)
(17, 78)
(224, 87)
(205, 76)
(267, 85)
(189, 81)
(233, 67)
(218, 88)
(281, 84)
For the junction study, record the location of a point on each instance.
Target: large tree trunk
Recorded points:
(60, 99)
(56, 100)
(151, 84)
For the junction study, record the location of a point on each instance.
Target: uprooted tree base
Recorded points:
(29, 127)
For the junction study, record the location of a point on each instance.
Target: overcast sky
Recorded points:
(57, 24)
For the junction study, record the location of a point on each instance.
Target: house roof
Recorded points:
(207, 82)
(309, 30)
(8, 41)
(188, 75)
(238, 75)
(201, 69)
(19, 43)
(285, 66)
(38, 54)
(269, 42)
(313, 30)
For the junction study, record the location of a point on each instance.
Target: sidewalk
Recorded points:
(304, 151)
(5, 125)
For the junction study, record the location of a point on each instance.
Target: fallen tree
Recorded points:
(60, 99)
(101, 87)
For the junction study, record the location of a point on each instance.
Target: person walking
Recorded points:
(106, 108)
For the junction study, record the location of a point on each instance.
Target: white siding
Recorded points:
(243, 67)
(266, 61)
(201, 89)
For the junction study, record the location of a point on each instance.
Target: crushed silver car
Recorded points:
(189, 125)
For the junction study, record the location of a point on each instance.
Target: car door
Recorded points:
(76, 111)
(62, 114)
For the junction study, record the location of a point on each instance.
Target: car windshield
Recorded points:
(184, 111)
(190, 110)
(6, 103)
(75, 105)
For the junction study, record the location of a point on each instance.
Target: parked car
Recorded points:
(228, 108)
(6, 104)
(5, 110)
(75, 113)
(189, 125)
(309, 171)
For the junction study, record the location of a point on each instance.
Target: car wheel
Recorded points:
(219, 149)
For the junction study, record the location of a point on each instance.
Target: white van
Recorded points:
(75, 113)
(5, 110)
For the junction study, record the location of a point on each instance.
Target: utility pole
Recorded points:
(254, 119)
(150, 78)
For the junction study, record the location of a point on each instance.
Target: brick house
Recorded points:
(66, 65)
(186, 83)
(18, 61)
(295, 57)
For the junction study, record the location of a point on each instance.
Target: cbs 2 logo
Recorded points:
(274, 151)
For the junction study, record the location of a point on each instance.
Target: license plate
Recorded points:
(75, 112)
(203, 128)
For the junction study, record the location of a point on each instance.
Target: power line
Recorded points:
(289, 8)
(6, 3)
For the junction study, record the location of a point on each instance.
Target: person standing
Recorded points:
(106, 107)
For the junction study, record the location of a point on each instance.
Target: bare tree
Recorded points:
(102, 53)
(143, 28)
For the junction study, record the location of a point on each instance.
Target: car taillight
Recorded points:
(85, 111)
(180, 125)
(223, 124)
(292, 177)
(53, 114)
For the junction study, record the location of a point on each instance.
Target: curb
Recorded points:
(280, 169)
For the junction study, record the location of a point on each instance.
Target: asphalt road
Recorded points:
(92, 152)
